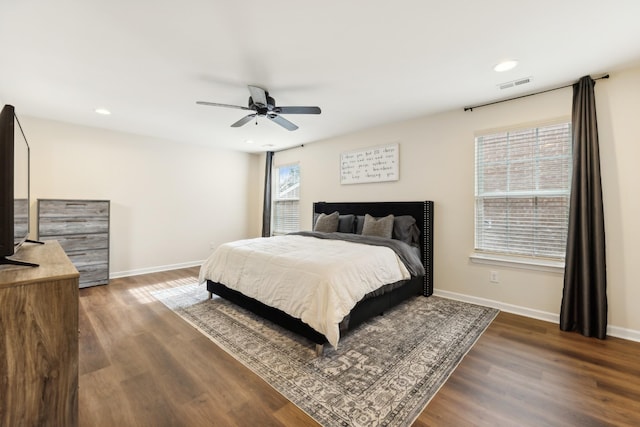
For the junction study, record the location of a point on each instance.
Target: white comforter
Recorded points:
(315, 280)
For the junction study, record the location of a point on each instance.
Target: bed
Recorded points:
(416, 282)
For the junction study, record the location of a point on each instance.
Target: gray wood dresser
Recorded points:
(82, 229)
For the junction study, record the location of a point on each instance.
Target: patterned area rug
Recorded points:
(383, 373)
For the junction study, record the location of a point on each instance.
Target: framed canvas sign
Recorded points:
(374, 164)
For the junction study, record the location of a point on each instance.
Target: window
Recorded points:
(523, 180)
(286, 200)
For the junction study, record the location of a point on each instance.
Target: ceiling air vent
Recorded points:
(515, 83)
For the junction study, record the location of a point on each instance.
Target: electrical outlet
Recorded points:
(212, 245)
(493, 277)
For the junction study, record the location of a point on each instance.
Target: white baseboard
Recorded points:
(614, 331)
(155, 269)
(627, 334)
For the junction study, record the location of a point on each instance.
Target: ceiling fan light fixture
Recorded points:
(506, 65)
(263, 105)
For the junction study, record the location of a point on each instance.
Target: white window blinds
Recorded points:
(286, 212)
(523, 181)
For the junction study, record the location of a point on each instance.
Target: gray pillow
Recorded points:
(327, 223)
(406, 230)
(359, 223)
(345, 223)
(381, 227)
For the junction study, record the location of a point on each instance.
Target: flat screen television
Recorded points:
(14, 187)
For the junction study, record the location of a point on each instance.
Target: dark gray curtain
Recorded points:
(584, 299)
(266, 209)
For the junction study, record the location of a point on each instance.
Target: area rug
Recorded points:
(383, 373)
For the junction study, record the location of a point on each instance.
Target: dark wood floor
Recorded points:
(142, 365)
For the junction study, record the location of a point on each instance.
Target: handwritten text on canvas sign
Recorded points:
(373, 164)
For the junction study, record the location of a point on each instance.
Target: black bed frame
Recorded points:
(367, 308)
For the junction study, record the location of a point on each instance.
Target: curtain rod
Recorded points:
(606, 76)
(288, 148)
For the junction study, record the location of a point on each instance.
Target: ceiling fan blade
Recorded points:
(282, 122)
(258, 95)
(297, 110)
(215, 104)
(243, 121)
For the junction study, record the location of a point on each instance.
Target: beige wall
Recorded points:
(169, 201)
(437, 163)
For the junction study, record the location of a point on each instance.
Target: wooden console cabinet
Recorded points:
(39, 339)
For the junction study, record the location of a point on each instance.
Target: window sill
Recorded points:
(518, 262)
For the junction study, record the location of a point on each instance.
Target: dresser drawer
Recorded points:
(61, 226)
(93, 266)
(93, 274)
(72, 208)
(90, 257)
(80, 242)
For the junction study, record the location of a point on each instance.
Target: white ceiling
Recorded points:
(363, 62)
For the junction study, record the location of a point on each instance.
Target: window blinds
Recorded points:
(523, 181)
(286, 217)
(286, 212)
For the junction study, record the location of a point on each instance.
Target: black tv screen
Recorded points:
(14, 184)
(20, 185)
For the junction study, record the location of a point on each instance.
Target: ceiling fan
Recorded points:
(263, 105)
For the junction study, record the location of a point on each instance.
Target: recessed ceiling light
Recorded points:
(506, 65)
(103, 111)
(248, 141)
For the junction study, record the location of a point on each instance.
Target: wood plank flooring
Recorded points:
(142, 365)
